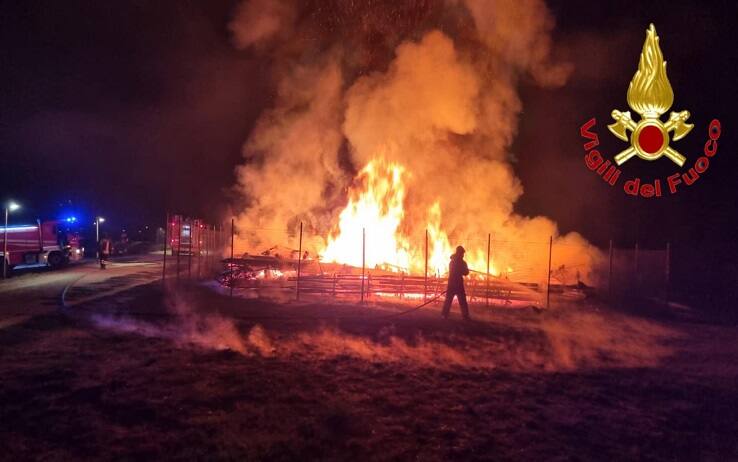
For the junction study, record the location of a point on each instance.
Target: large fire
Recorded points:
(427, 116)
(375, 213)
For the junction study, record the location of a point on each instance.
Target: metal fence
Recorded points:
(638, 273)
(501, 272)
(193, 249)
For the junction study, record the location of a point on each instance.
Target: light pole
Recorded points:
(9, 207)
(98, 220)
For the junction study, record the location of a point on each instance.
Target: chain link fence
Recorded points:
(638, 273)
(193, 248)
(366, 266)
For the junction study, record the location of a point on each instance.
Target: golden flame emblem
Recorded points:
(650, 95)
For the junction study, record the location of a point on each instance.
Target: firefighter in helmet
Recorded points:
(457, 269)
(105, 246)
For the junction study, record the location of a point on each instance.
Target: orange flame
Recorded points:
(377, 209)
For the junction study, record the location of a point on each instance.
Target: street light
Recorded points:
(9, 207)
(98, 220)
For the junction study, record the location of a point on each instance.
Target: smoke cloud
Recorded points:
(184, 326)
(259, 21)
(431, 85)
(566, 341)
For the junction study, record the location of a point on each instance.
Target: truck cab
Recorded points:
(38, 245)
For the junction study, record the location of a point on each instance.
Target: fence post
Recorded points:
(489, 248)
(179, 243)
(299, 264)
(221, 239)
(231, 262)
(199, 249)
(166, 239)
(213, 246)
(363, 260)
(548, 285)
(667, 274)
(209, 249)
(609, 273)
(189, 253)
(208, 236)
(425, 286)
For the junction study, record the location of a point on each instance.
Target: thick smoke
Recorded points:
(431, 85)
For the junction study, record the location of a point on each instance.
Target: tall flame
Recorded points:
(440, 99)
(378, 209)
(650, 93)
(375, 211)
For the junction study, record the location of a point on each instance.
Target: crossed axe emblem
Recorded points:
(650, 137)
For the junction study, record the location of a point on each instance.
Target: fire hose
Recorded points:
(393, 315)
(388, 316)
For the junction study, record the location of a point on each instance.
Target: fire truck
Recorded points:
(38, 245)
(185, 235)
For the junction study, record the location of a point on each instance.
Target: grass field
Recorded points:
(197, 375)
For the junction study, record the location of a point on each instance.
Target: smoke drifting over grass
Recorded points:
(578, 341)
(567, 340)
(431, 85)
(185, 326)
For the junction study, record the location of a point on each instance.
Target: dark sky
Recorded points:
(132, 108)
(604, 40)
(125, 108)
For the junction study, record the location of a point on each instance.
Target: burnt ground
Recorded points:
(147, 376)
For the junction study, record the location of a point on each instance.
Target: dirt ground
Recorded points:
(197, 375)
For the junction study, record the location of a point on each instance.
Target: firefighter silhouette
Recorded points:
(105, 247)
(457, 269)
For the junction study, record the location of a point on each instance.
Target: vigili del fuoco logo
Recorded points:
(649, 95)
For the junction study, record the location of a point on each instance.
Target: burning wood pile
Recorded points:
(391, 162)
(283, 269)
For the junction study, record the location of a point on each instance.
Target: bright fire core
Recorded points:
(375, 212)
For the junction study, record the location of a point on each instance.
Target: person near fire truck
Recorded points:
(457, 269)
(104, 248)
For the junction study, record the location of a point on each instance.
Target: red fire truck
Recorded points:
(40, 244)
(185, 235)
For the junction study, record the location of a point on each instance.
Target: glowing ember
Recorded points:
(269, 273)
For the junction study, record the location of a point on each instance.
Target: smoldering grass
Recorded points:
(566, 341)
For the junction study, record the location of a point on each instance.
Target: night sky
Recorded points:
(129, 109)
(126, 109)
